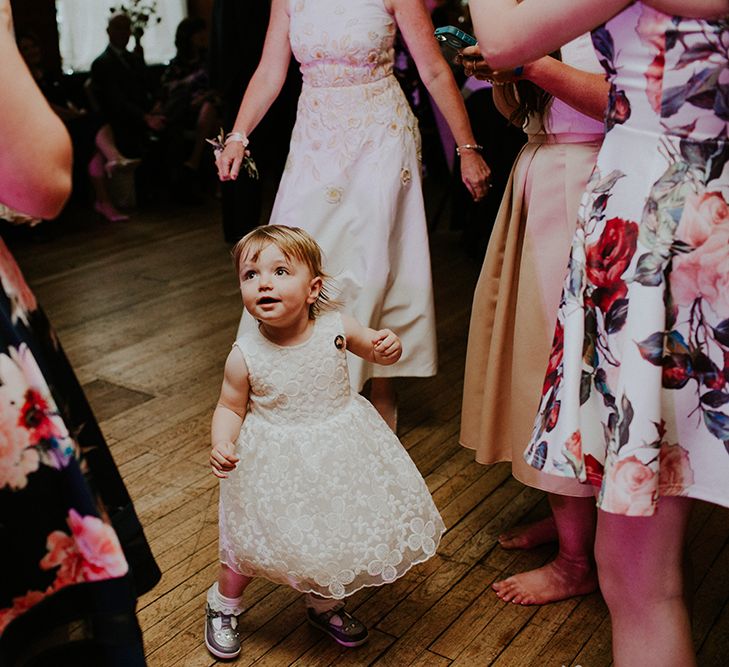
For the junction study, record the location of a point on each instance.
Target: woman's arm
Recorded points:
(587, 92)
(541, 26)
(697, 9)
(229, 414)
(544, 26)
(35, 149)
(417, 29)
(263, 89)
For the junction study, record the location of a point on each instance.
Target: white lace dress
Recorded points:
(324, 498)
(352, 177)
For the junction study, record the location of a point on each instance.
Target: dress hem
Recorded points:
(328, 595)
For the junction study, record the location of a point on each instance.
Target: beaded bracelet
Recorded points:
(236, 137)
(468, 147)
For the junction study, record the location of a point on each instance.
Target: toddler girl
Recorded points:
(316, 491)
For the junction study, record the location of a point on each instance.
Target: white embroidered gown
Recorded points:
(324, 498)
(352, 178)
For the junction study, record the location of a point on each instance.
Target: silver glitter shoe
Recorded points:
(221, 638)
(340, 625)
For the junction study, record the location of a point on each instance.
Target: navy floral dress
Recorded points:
(73, 554)
(636, 397)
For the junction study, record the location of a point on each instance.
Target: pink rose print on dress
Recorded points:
(675, 473)
(704, 272)
(702, 214)
(630, 488)
(21, 297)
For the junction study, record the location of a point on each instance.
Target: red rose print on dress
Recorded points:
(608, 258)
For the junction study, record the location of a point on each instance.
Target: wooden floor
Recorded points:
(147, 311)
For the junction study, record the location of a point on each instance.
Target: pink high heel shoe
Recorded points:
(109, 212)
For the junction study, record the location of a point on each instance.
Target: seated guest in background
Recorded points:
(93, 140)
(186, 99)
(120, 85)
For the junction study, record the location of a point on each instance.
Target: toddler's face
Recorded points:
(277, 290)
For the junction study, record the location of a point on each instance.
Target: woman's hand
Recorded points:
(476, 66)
(229, 161)
(475, 174)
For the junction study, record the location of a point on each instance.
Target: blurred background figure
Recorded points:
(189, 105)
(93, 140)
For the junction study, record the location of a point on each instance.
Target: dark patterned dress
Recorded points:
(73, 556)
(636, 397)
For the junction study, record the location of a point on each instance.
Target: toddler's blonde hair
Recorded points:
(294, 243)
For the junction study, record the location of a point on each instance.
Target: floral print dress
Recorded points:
(352, 178)
(636, 396)
(68, 529)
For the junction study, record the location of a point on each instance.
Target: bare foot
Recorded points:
(558, 580)
(530, 536)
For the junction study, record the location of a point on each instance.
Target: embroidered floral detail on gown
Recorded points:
(325, 498)
(637, 390)
(352, 177)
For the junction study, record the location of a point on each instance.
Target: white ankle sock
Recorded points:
(218, 602)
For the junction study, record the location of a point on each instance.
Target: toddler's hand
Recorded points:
(223, 458)
(386, 347)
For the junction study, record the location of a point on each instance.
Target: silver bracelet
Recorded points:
(237, 137)
(468, 147)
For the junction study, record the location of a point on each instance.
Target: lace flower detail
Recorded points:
(384, 563)
(422, 536)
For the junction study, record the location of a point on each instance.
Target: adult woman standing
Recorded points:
(353, 174)
(516, 299)
(633, 399)
(65, 516)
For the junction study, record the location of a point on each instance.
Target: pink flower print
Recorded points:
(704, 272)
(654, 81)
(23, 358)
(17, 457)
(99, 546)
(630, 488)
(702, 214)
(21, 297)
(91, 553)
(651, 28)
(23, 387)
(675, 474)
(21, 604)
(63, 553)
